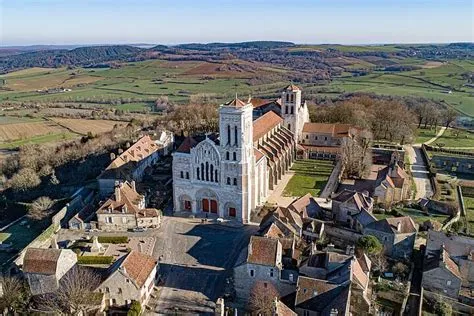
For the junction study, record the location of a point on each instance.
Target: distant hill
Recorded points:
(242, 45)
(81, 56)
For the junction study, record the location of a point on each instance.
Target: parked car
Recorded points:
(139, 229)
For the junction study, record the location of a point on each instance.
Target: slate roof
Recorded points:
(441, 259)
(263, 251)
(389, 225)
(364, 217)
(43, 261)
(265, 123)
(138, 266)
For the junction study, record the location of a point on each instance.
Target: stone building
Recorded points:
(397, 235)
(392, 184)
(353, 209)
(131, 163)
(44, 268)
(231, 174)
(262, 262)
(131, 278)
(125, 209)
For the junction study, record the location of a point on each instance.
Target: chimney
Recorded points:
(399, 227)
(112, 156)
(220, 307)
(133, 185)
(117, 191)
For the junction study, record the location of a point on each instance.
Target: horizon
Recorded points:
(305, 22)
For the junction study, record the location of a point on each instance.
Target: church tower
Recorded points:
(290, 110)
(238, 160)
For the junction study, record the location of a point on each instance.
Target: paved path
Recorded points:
(420, 172)
(276, 196)
(195, 261)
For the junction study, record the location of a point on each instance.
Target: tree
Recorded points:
(356, 155)
(135, 309)
(450, 116)
(262, 296)
(442, 308)
(74, 293)
(14, 294)
(24, 179)
(369, 244)
(400, 269)
(40, 208)
(379, 261)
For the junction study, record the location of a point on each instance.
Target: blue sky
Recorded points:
(26, 22)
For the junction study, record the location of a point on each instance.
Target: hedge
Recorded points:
(95, 259)
(113, 239)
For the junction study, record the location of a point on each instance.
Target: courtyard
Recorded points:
(310, 176)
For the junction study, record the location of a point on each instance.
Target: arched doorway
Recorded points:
(185, 203)
(208, 201)
(230, 210)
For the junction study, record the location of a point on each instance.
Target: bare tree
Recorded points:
(74, 293)
(262, 298)
(13, 294)
(24, 179)
(356, 156)
(450, 116)
(40, 208)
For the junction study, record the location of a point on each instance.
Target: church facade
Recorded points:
(232, 173)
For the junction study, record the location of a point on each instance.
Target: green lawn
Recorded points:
(456, 138)
(310, 177)
(469, 205)
(424, 135)
(418, 216)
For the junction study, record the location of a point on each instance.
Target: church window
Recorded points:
(215, 176)
(228, 134)
(252, 273)
(202, 171)
(234, 156)
(235, 136)
(287, 98)
(289, 127)
(235, 181)
(227, 156)
(198, 175)
(182, 175)
(292, 98)
(212, 173)
(187, 175)
(207, 171)
(228, 180)
(286, 109)
(292, 109)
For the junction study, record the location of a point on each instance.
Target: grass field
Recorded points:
(469, 205)
(310, 177)
(456, 139)
(425, 134)
(418, 216)
(83, 127)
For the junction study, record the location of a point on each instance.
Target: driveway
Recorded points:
(419, 172)
(195, 260)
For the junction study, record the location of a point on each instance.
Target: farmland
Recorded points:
(85, 126)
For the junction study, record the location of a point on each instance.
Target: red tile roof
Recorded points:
(335, 130)
(236, 102)
(263, 251)
(128, 198)
(264, 124)
(292, 87)
(39, 260)
(138, 266)
(308, 288)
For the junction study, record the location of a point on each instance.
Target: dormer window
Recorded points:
(124, 209)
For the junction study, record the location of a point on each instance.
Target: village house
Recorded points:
(125, 209)
(353, 209)
(131, 163)
(449, 266)
(306, 206)
(392, 184)
(262, 261)
(130, 278)
(44, 268)
(397, 235)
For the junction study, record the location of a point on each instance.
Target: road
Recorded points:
(195, 260)
(419, 171)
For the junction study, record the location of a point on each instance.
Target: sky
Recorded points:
(32, 22)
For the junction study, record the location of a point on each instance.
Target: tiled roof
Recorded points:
(258, 154)
(359, 275)
(292, 87)
(129, 198)
(186, 145)
(389, 225)
(257, 102)
(141, 149)
(365, 262)
(39, 260)
(283, 310)
(236, 102)
(335, 130)
(273, 231)
(361, 200)
(263, 251)
(138, 266)
(264, 124)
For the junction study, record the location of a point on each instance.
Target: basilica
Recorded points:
(232, 173)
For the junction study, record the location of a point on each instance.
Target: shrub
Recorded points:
(370, 244)
(95, 259)
(135, 309)
(442, 308)
(113, 239)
